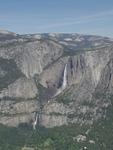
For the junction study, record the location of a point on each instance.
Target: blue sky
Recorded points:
(77, 16)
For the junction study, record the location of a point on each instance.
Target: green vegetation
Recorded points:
(55, 114)
(64, 98)
(71, 52)
(41, 139)
(88, 103)
(75, 51)
(60, 138)
(98, 135)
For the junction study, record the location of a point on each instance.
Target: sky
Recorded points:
(57, 16)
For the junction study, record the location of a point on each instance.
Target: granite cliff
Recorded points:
(54, 79)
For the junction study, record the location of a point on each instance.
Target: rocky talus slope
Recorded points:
(54, 79)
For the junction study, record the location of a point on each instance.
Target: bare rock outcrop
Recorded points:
(22, 88)
(54, 79)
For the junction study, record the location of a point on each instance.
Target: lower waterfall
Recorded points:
(35, 122)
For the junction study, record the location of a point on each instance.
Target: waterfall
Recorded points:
(64, 81)
(35, 122)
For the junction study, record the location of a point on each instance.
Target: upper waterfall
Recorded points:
(64, 83)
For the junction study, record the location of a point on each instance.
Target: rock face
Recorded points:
(21, 88)
(56, 78)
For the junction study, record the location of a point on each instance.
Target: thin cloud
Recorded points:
(81, 20)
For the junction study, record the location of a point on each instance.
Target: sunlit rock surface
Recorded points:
(60, 77)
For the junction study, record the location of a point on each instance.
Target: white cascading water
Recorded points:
(64, 82)
(35, 122)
